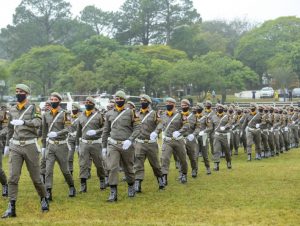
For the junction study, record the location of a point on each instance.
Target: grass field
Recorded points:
(263, 192)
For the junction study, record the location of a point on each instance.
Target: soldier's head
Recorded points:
(130, 105)
(280, 110)
(296, 109)
(253, 107)
(260, 109)
(208, 104)
(220, 108)
(48, 106)
(266, 109)
(271, 109)
(199, 108)
(120, 98)
(291, 109)
(90, 103)
(145, 101)
(22, 91)
(239, 111)
(276, 110)
(194, 110)
(55, 99)
(170, 104)
(230, 110)
(110, 104)
(75, 108)
(185, 105)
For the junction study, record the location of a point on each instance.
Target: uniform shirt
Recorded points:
(203, 123)
(277, 121)
(179, 123)
(96, 123)
(264, 121)
(237, 121)
(192, 120)
(32, 121)
(251, 120)
(61, 125)
(126, 127)
(74, 120)
(3, 127)
(293, 118)
(150, 121)
(221, 120)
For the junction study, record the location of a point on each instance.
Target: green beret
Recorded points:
(56, 94)
(208, 102)
(170, 99)
(91, 99)
(75, 106)
(199, 106)
(121, 94)
(253, 105)
(146, 97)
(23, 87)
(185, 101)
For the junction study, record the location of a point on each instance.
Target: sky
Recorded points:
(252, 10)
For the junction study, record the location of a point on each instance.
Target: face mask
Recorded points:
(169, 107)
(208, 107)
(220, 111)
(266, 111)
(260, 110)
(199, 111)
(120, 103)
(54, 104)
(280, 112)
(20, 97)
(74, 112)
(253, 109)
(89, 107)
(230, 111)
(292, 110)
(239, 112)
(144, 105)
(186, 109)
(271, 111)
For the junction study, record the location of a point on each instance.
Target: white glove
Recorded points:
(257, 126)
(191, 137)
(271, 129)
(126, 144)
(293, 122)
(76, 148)
(153, 136)
(52, 134)
(43, 152)
(17, 122)
(176, 134)
(91, 132)
(6, 151)
(222, 128)
(286, 129)
(201, 133)
(104, 152)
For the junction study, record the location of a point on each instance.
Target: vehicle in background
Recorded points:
(267, 92)
(296, 92)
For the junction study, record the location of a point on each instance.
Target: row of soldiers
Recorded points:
(124, 137)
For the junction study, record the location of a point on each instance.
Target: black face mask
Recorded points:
(266, 111)
(260, 110)
(280, 112)
(208, 107)
(194, 112)
(239, 112)
(199, 111)
(144, 105)
(230, 112)
(253, 109)
(20, 97)
(291, 110)
(74, 112)
(89, 107)
(120, 103)
(271, 111)
(186, 109)
(220, 111)
(169, 107)
(54, 104)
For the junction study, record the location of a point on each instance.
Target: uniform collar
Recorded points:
(23, 104)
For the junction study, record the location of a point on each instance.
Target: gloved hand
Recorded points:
(17, 122)
(153, 136)
(104, 152)
(176, 134)
(257, 126)
(76, 148)
(91, 132)
(286, 129)
(191, 137)
(6, 151)
(52, 134)
(201, 133)
(43, 153)
(126, 144)
(222, 128)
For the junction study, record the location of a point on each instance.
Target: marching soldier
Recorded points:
(276, 130)
(89, 131)
(24, 120)
(285, 122)
(221, 125)
(251, 126)
(243, 138)
(55, 129)
(209, 114)
(271, 137)
(146, 144)
(264, 131)
(175, 126)
(3, 134)
(121, 127)
(293, 118)
(204, 128)
(236, 130)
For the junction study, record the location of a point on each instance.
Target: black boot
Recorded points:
(194, 173)
(44, 205)
(72, 191)
(131, 191)
(208, 172)
(4, 190)
(161, 184)
(138, 186)
(249, 157)
(165, 179)
(83, 186)
(49, 194)
(113, 196)
(183, 179)
(229, 165)
(102, 184)
(216, 166)
(11, 210)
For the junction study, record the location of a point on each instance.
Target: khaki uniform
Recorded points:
(277, 132)
(144, 147)
(271, 134)
(90, 146)
(3, 134)
(23, 147)
(285, 131)
(115, 132)
(294, 138)
(72, 140)
(236, 132)
(265, 134)
(57, 148)
(243, 138)
(175, 122)
(209, 115)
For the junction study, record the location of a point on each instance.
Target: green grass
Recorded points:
(258, 193)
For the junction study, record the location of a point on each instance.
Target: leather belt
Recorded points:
(23, 142)
(90, 141)
(222, 134)
(115, 142)
(145, 141)
(57, 141)
(172, 138)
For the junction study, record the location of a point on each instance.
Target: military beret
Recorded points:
(200, 105)
(219, 106)
(170, 99)
(146, 97)
(253, 105)
(261, 107)
(131, 103)
(75, 106)
(208, 102)
(91, 99)
(225, 107)
(121, 94)
(185, 101)
(23, 87)
(56, 94)
(291, 107)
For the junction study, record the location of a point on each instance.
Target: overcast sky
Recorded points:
(253, 10)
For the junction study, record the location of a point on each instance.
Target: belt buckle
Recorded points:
(22, 142)
(89, 141)
(118, 142)
(146, 141)
(56, 142)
